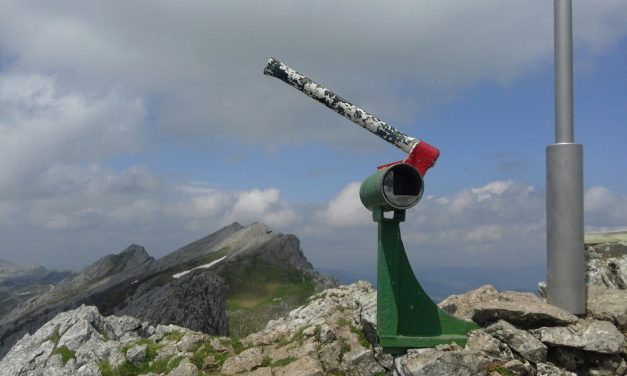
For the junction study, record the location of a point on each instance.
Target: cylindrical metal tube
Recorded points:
(398, 187)
(566, 262)
(338, 104)
(563, 72)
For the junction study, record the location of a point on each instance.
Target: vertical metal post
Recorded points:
(566, 261)
(563, 34)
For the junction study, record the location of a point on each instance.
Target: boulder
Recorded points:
(546, 369)
(263, 371)
(596, 336)
(246, 361)
(586, 362)
(607, 265)
(462, 305)
(185, 368)
(523, 343)
(79, 331)
(136, 354)
(433, 362)
(480, 340)
(363, 362)
(485, 306)
(608, 304)
(305, 366)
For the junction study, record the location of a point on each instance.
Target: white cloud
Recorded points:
(492, 189)
(599, 198)
(605, 210)
(484, 233)
(346, 209)
(260, 205)
(99, 211)
(43, 126)
(203, 60)
(198, 202)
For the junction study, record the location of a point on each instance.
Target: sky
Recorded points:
(151, 122)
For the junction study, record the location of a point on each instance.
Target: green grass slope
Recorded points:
(605, 237)
(259, 292)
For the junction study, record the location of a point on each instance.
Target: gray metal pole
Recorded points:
(563, 72)
(566, 261)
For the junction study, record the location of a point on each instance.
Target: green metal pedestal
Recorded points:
(406, 316)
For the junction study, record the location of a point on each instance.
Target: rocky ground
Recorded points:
(334, 333)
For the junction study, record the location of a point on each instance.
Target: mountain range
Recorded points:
(231, 282)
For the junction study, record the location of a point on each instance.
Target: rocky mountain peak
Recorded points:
(197, 248)
(133, 257)
(130, 259)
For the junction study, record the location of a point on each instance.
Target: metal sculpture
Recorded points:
(406, 315)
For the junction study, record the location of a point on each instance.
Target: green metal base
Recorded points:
(406, 315)
(388, 342)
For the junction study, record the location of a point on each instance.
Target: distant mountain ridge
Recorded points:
(18, 285)
(135, 283)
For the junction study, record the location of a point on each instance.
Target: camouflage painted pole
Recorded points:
(338, 104)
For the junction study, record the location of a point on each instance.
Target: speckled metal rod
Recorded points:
(338, 104)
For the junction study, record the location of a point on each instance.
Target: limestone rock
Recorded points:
(245, 361)
(480, 340)
(518, 368)
(485, 305)
(70, 329)
(326, 336)
(185, 368)
(305, 366)
(596, 336)
(363, 362)
(329, 355)
(263, 371)
(89, 369)
(136, 354)
(122, 327)
(443, 363)
(462, 305)
(321, 308)
(520, 341)
(585, 362)
(546, 369)
(608, 304)
(607, 265)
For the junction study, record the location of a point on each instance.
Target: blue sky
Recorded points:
(152, 123)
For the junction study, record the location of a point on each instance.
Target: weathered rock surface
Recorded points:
(486, 305)
(522, 342)
(432, 362)
(597, 336)
(608, 304)
(607, 265)
(329, 335)
(247, 360)
(195, 301)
